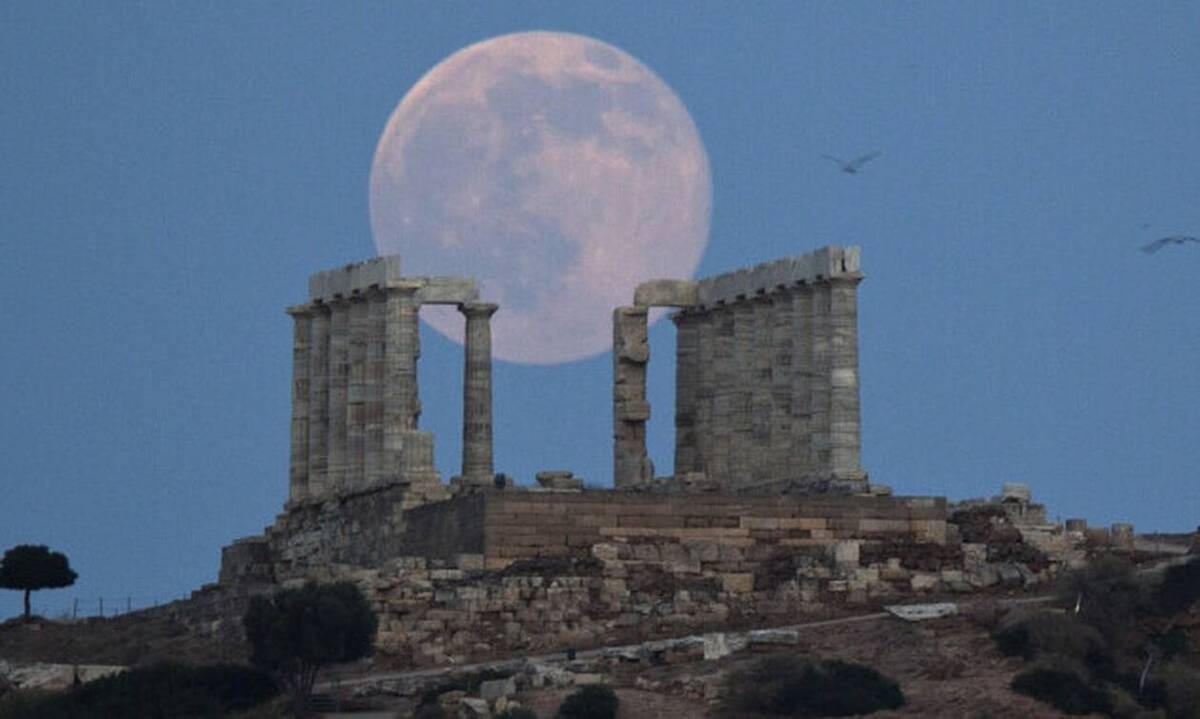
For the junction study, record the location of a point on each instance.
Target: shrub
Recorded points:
(787, 685)
(1180, 587)
(1182, 685)
(1063, 689)
(297, 631)
(594, 701)
(1110, 596)
(163, 690)
(518, 713)
(1046, 633)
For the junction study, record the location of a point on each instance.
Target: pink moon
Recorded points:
(558, 171)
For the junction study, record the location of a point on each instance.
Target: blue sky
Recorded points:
(171, 173)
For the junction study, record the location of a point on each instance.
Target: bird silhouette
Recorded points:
(1158, 244)
(851, 167)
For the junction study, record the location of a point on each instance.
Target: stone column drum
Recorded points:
(401, 404)
(477, 467)
(339, 384)
(318, 401)
(301, 388)
(631, 352)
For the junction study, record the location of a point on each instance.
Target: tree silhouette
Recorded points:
(297, 631)
(30, 567)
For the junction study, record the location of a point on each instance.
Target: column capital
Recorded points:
(478, 309)
(300, 310)
(404, 288)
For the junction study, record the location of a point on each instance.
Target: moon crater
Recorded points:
(557, 170)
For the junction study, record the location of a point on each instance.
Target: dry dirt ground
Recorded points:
(946, 668)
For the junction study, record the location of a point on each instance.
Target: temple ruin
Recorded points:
(768, 514)
(766, 377)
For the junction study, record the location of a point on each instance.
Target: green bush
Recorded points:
(1182, 685)
(594, 701)
(1051, 633)
(1110, 595)
(162, 691)
(1180, 587)
(1063, 689)
(787, 685)
(518, 713)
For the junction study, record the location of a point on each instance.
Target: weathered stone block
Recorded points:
(666, 293)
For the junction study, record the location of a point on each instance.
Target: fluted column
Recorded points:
(301, 387)
(356, 392)
(477, 464)
(401, 404)
(801, 378)
(339, 385)
(819, 386)
(687, 381)
(844, 434)
(631, 352)
(318, 402)
(373, 469)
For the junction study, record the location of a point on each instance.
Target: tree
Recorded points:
(30, 567)
(297, 631)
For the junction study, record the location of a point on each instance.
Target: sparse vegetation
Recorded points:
(30, 567)
(1062, 688)
(595, 701)
(1180, 587)
(164, 690)
(791, 686)
(297, 631)
(1052, 633)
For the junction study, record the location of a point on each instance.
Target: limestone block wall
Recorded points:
(531, 525)
(767, 393)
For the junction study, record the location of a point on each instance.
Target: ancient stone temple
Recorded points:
(355, 398)
(766, 394)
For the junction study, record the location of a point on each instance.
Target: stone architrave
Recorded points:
(301, 388)
(339, 384)
(631, 352)
(477, 467)
(318, 402)
(356, 392)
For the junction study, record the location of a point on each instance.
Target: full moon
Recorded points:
(555, 169)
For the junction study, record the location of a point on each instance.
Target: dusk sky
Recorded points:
(171, 173)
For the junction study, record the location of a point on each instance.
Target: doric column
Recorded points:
(844, 435)
(725, 394)
(477, 393)
(780, 441)
(819, 385)
(318, 402)
(759, 464)
(373, 469)
(801, 379)
(356, 393)
(339, 385)
(301, 387)
(401, 404)
(687, 381)
(631, 352)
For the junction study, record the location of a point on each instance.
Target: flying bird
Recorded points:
(1157, 245)
(851, 167)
